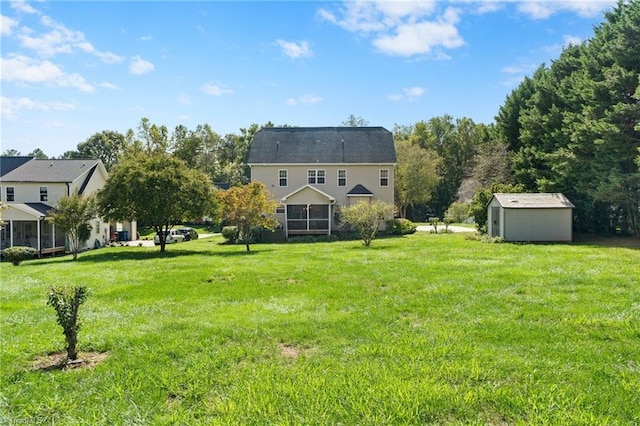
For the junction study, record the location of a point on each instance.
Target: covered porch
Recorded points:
(308, 211)
(26, 224)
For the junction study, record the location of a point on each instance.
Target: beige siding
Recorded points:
(367, 175)
(30, 192)
(537, 224)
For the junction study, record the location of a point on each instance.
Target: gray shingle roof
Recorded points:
(326, 145)
(359, 190)
(8, 164)
(533, 201)
(49, 170)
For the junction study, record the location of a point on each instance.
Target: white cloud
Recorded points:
(215, 89)
(146, 38)
(7, 25)
(400, 28)
(544, 9)
(109, 86)
(21, 69)
(139, 66)
(569, 39)
(61, 39)
(11, 107)
(305, 99)
(408, 93)
(295, 50)
(23, 6)
(421, 37)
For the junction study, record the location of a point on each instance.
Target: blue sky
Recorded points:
(73, 68)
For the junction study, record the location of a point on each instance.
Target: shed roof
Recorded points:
(326, 145)
(545, 200)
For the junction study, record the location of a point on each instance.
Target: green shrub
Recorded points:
(17, 254)
(230, 233)
(401, 227)
(66, 301)
(458, 212)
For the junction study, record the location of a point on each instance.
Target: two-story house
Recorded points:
(314, 171)
(30, 188)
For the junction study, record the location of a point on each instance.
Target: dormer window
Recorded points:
(44, 193)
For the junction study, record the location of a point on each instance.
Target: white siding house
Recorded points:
(530, 217)
(30, 189)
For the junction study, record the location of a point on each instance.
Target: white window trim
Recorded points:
(380, 177)
(286, 178)
(13, 195)
(315, 176)
(46, 193)
(345, 177)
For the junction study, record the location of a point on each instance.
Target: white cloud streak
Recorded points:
(295, 50)
(215, 89)
(21, 69)
(7, 25)
(139, 66)
(304, 100)
(61, 39)
(11, 107)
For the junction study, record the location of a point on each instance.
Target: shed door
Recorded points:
(495, 221)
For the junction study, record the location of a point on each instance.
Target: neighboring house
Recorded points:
(30, 189)
(314, 171)
(530, 217)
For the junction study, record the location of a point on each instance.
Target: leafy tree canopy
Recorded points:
(156, 189)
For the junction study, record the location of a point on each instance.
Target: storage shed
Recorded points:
(530, 217)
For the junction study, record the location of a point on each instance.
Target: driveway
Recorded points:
(441, 228)
(149, 243)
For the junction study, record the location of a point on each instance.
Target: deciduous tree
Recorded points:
(158, 190)
(72, 215)
(248, 206)
(416, 175)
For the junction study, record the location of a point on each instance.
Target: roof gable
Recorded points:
(308, 192)
(553, 200)
(322, 145)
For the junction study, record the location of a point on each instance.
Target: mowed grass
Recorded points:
(421, 329)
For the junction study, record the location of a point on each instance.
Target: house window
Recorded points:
(282, 178)
(11, 193)
(342, 177)
(43, 193)
(279, 209)
(384, 177)
(316, 177)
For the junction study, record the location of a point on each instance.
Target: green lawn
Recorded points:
(415, 330)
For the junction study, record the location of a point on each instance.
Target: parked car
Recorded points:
(189, 233)
(171, 237)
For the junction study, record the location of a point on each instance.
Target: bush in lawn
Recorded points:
(366, 217)
(401, 226)
(457, 212)
(66, 301)
(18, 254)
(230, 233)
(434, 221)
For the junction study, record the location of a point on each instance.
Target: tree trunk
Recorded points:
(247, 245)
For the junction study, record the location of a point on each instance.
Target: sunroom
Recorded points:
(308, 211)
